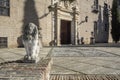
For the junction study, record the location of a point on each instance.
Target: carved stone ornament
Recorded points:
(66, 4)
(68, 0)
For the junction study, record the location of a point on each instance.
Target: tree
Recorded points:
(115, 21)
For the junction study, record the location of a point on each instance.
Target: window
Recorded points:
(4, 7)
(105, 9)
(3, 42)
(95, 25)
(95, 6)
(96, 3)
(106, 27)
(95, 32)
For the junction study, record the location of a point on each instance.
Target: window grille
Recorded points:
(4, 7)
(3, 42)
(95, 6)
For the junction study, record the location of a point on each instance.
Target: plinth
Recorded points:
(18, 70)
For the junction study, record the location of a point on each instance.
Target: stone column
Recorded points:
(58, 32)
(55, 24)
(72, 32)
(110, 35)
(110, 40)
(76, 32)
(75, 25)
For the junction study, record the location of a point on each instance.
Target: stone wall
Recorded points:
(36, 11)
(22, 12)
(85, 28)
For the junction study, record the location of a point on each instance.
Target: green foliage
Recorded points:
(118, 14)
(115, 21)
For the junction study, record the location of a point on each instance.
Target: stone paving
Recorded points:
(11, 54)
(86, 60)
(85, 52)
(74, 60)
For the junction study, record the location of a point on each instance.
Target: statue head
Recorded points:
(29, 31)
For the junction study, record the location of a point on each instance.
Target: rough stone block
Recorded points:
(18, 70)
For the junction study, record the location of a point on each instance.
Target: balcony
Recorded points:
(95, 9)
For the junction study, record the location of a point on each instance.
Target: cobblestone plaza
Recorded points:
(74, 60)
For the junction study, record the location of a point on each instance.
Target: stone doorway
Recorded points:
(65, 32)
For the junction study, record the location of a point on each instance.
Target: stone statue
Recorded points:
(31, 43)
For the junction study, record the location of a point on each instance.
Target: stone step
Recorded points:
(85, 77)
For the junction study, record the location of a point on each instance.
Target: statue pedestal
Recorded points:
(19, 70)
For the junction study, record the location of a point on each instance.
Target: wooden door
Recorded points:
(65, 32)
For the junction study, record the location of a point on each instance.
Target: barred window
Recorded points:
(95, 25)
(3, 42)
(4, 7)
(96, 3)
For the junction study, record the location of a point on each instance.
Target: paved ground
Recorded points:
(86, 60)
(74, 60)
(17, 53)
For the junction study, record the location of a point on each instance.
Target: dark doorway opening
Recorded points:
(65, 32)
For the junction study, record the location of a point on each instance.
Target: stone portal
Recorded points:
(65, 22)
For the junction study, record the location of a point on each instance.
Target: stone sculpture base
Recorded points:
(18, 70)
